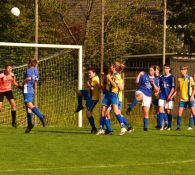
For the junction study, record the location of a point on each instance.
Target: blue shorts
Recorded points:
(110, 98)
(155, 102)
(28, 97)
(190, 104)
(120, 105)
(90, 104)
(85, 94)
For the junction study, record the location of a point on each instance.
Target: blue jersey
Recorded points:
(145, 85)
(166, 84)
(34, 75)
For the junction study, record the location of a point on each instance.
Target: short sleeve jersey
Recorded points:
(166, 84)
(120, 94)
(95, 93)
(116, 78)
(6, 82)
(145, 85)
(185, 85)
(34, 75)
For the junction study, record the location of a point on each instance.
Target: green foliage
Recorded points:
(130, 27)
(182, 20)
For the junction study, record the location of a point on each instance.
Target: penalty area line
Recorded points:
(97, 166)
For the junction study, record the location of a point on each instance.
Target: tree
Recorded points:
(182, 21)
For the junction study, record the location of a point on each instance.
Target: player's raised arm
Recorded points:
(139, 76)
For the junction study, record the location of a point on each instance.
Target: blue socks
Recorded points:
(102, 122)
(29, 118)
(133, 104)
(91, 121)
(108, 126)
(191, 121)
(170, 117)
(36, 111)
(125, 121)
(157, 120)
(80, 99)
(120, 120)
(145, 122)
(179, 121)
(194, 119)
(165, 118)
(161, 117)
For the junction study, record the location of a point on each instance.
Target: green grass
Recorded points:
(58, 151)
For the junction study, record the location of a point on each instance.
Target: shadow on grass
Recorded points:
(175, 135)
(68, 131)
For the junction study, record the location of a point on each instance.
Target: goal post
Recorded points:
(56, 46)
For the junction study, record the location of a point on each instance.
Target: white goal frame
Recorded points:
(59, 46)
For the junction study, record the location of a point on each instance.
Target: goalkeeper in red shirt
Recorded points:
(7, 79)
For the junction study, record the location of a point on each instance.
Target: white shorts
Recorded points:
(146, 100)
(166, 104)
(109, 108)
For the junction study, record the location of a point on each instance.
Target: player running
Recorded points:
(120, 97)
(30, 77)
(7, 79)
(186, 90)
(147, 84)
(111, 97)
(92, 96)
(165, 103)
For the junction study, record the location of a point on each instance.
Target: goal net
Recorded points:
(60, 69)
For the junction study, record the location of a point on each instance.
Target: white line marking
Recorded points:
(97, 166)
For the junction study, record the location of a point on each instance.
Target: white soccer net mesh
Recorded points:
(56, 91)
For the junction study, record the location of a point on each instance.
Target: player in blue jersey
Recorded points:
(30, 77)
(165, 103)
(156, 96)
(113, 79)
(147, 84)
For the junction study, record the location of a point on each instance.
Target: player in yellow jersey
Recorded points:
(120, 97)
(91, 95)
(111, 97)
(186, 89)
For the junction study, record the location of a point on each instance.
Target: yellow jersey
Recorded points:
(120, 94)
(116, 78)
(184, 84)
(95, 83)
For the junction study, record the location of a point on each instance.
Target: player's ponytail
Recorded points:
(32, 62)
(122, 67)
(117, 65)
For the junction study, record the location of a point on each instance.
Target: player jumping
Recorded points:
(92, 96)
(30, 77)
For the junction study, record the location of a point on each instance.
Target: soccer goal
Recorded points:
(60, 69)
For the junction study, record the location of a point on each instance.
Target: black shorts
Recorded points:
(9, 95)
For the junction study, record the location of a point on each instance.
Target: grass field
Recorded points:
(58, 151)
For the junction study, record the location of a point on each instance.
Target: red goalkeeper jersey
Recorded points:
(6, 82)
